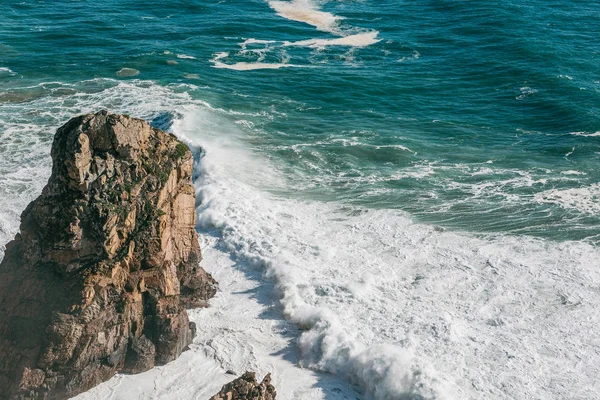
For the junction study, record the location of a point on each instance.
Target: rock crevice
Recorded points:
(105, 264)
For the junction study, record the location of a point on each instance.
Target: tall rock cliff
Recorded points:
(107, 260)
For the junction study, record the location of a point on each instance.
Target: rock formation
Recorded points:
(107, 260)
(247, 387)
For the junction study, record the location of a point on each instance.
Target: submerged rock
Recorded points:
(107, 260)
(247, 387)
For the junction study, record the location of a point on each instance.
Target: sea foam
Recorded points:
(306, 11)
(443, 315)
(584, 199)
(404, 310)
(6, 71)
(246, 66)
(384, 371)
(439, 309)
(357, 40)
(589, 134)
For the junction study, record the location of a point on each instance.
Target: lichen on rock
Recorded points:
(105, 264)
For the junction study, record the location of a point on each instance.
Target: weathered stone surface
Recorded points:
(247, 387)
(105, 264)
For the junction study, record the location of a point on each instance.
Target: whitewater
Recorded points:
(389, 307)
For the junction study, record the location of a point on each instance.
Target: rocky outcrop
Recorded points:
(107, 260)
(247, 387)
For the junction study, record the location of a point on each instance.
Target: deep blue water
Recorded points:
(481, 116)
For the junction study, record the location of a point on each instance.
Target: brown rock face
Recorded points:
(106, 263)
(247, 387)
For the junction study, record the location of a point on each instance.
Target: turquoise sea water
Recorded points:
(419, 181)
(482, 116)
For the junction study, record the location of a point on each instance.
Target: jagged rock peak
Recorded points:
(247, 387)
(105, 264)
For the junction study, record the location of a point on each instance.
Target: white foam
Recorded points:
(6, 71)
(397, 307)
(306, 11)
(220, 56)
(570, 152)
(357, 40)
(327, 344)
(414, 56)
(395, 146)
(249, 41)
(526, 91)
(482, 311)
(584, 199)
(585, 133)
(186, 57)
(246, 66)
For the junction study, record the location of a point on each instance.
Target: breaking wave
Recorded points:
(405, 310)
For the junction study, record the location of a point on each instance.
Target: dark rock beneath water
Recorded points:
(107, 260)
(247, 387)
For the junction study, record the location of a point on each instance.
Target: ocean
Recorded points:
(400, 200)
